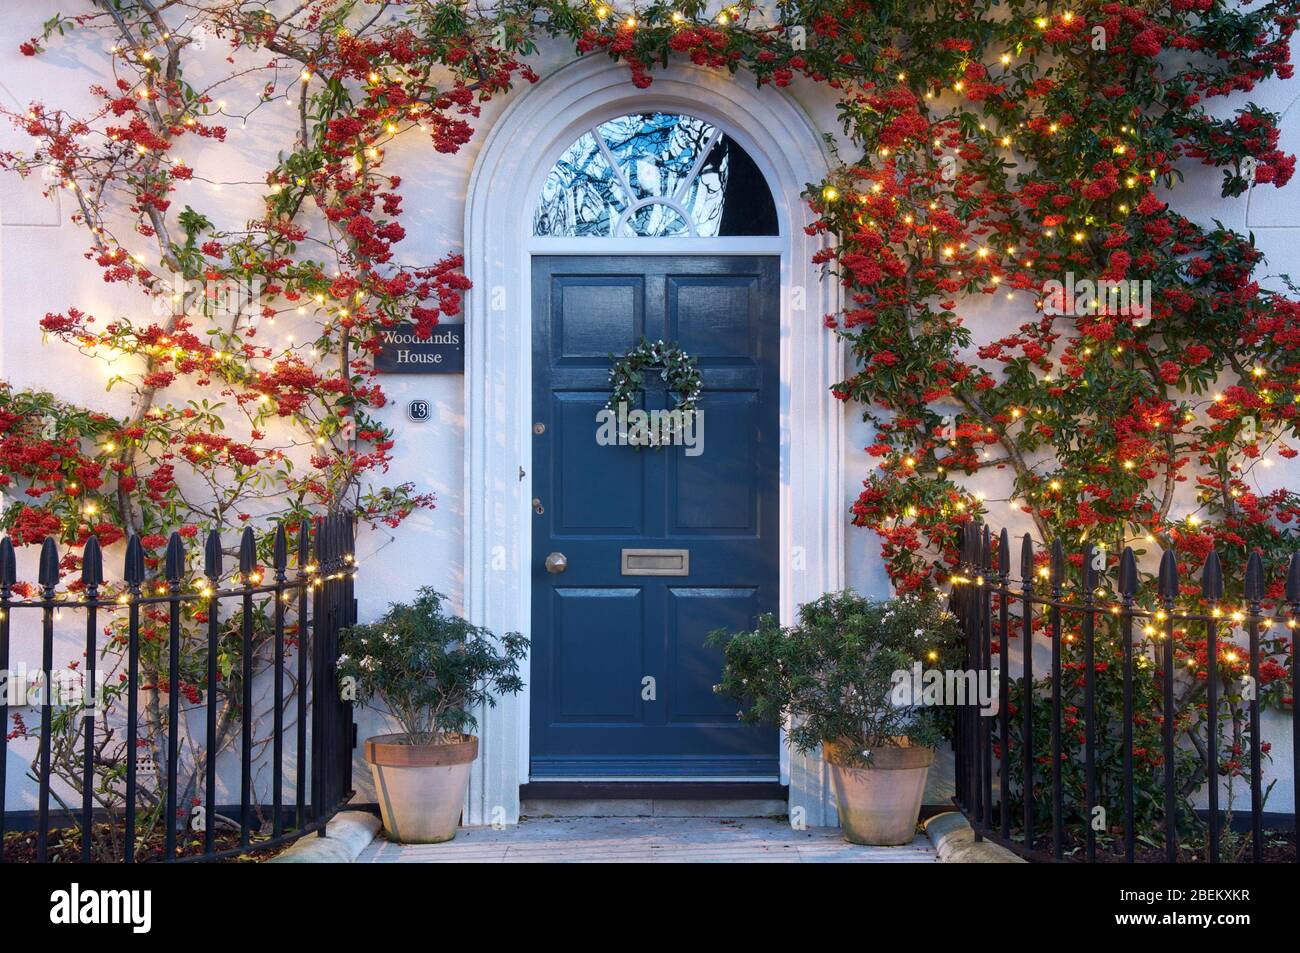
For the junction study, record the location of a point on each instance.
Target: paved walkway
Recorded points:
(645, 840)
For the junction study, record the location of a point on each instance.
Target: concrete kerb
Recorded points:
(346, 836)
(955, 843)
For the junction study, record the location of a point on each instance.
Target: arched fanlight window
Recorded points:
(655, 175)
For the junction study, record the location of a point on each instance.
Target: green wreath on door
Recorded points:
(673, 366)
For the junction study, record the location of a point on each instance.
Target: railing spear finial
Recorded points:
(280, 550)
(247, 552)
(174, 564)
(212, 557)
(92, 564)
(1128, 574)
(1168, 581)
(1212, 578)
(1254, 588)
(49, 572)
(133, 572)
(8, 563)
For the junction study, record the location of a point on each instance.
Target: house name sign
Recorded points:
(402, 352)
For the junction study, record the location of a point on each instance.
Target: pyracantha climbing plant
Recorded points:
(1002, 146)
(1008, 148)
(998, 146)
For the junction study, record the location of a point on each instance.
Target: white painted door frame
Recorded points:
(517, 154)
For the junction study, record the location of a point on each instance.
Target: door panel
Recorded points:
(622, 682)
(715, 317)
(694, 666)
(715, 492)
(584, 472)
(593, 312)
(592, 667)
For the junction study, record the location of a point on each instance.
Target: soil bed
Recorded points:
(65, 847)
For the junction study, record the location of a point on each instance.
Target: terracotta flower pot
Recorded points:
(421, 788)
(878, 804)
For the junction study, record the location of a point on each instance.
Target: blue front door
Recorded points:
(622, 683)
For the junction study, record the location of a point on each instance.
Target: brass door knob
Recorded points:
(556, 562)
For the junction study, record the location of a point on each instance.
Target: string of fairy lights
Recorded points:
(198, 587)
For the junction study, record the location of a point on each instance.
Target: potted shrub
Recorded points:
(831, 680)
(429, 670)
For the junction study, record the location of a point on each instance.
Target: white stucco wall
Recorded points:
(42, 269)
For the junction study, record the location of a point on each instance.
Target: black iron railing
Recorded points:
(165, 650)
(1013, 769)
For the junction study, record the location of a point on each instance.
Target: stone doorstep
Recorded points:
(647, 840)
(350, 832)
